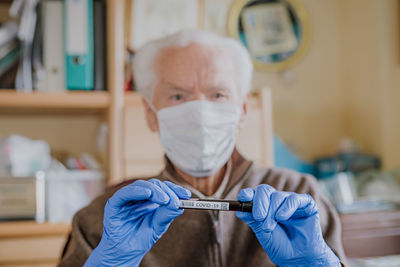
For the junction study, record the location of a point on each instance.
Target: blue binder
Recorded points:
(78, 34)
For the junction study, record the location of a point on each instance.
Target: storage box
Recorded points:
(69, 191)
(22, 198)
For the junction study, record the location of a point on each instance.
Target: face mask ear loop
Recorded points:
(151, 106)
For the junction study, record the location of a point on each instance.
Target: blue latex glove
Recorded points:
(287, 226)
(135, 217)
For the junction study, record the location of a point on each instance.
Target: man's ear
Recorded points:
(151, 116)
(243, 117)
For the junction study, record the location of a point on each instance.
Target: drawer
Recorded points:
(371, 234)
(31, 251)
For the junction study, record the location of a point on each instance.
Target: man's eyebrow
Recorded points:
(218, 88)
(177, 88)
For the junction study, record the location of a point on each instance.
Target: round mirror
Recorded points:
(275, 32)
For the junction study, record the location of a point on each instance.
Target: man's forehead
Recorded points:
(177, 61)
(189, 49)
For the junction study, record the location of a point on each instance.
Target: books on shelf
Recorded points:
(53, 52)
(68, 50)
(6, 48)
(100, 77)
(10, 52)
(78, 38)
(10, 57)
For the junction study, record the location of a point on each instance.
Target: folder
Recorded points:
(9, 59)
(99, 20)
(78, 29)
(53, 51)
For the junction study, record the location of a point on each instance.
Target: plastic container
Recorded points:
(69, 191)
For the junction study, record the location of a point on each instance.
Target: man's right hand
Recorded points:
(135, 217)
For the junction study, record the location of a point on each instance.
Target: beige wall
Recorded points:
(391, 108)
(371, 76)
(308, 109)
(348, 84)
(362, 72)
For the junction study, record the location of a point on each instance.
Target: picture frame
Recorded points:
(268, 29)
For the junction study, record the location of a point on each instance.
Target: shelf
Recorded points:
(32, 228)
(13, 101)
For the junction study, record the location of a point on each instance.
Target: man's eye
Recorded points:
(218, 95)
(177, 97)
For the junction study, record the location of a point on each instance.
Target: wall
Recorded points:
(371, 76)
(347, 85)
(391, 108)
(308, 109)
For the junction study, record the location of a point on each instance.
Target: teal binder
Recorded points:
(78, 40)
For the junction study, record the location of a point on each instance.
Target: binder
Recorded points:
(99, 21)
(53, 52)
(78, 30)
(9, 60)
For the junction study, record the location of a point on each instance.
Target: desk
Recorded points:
(371, 234)
(31, 244)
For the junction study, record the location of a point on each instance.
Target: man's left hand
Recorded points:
(287, 226)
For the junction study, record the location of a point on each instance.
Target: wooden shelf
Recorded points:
(11, 100)
(32, 228)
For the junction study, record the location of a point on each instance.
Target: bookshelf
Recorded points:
(31, 229)
(28, 243)
(106, 105)
(11, 100)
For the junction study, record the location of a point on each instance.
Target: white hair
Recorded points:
(144, 60)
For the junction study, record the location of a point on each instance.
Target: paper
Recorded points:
(152, 19)
(216, 15)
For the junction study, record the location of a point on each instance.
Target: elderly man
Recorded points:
(195, 87)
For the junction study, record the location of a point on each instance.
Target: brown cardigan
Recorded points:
(205, 238)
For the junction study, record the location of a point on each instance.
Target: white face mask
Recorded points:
(199, 136)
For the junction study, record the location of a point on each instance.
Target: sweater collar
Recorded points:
(237, 169)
